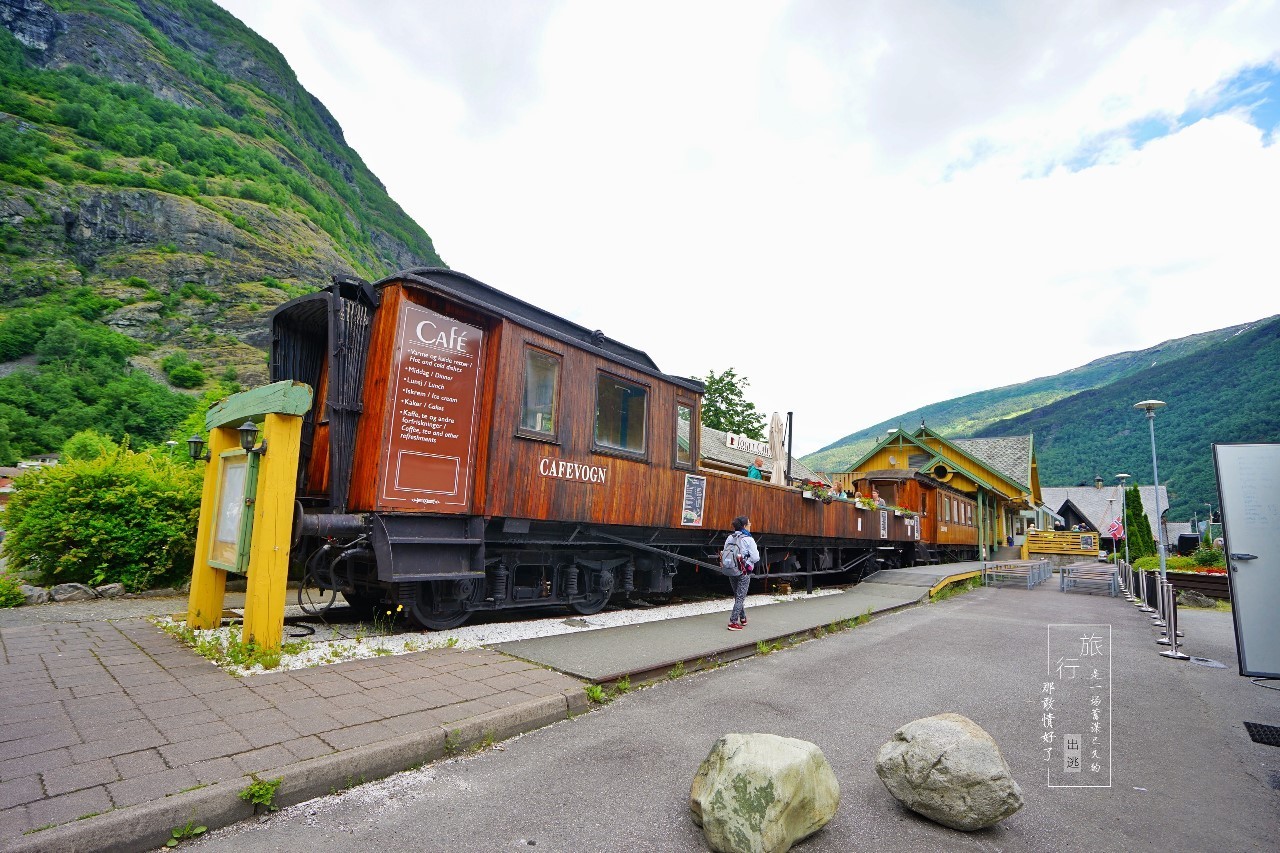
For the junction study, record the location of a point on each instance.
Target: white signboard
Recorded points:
(1249, 492)
(749, 445)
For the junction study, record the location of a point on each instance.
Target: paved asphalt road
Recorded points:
(1186, 775)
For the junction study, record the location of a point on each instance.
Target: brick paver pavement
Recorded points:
(100, 716)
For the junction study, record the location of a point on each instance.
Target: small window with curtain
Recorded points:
(620, 415)
(685, 437)
(539, 406)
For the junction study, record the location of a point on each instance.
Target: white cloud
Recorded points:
(892, 176)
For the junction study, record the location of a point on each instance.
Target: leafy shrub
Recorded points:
(183, 373)
(125, 518)
(188, 375)
(1208, 557)
(1173, 564)
(10, 594)
(88, 444)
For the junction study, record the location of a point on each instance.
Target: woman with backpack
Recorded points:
(741, 553)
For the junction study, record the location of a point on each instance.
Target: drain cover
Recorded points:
(1209, 662)
(1269, 735)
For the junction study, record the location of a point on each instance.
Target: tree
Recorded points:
(1136, 525)
(724, 407)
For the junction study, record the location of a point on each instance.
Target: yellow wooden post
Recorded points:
(272, 526)
(209, 584)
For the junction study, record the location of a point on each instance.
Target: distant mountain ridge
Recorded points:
(1084, 424)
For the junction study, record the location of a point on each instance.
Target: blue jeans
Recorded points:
(739, 586)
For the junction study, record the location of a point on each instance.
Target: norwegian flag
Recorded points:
(1116, 530)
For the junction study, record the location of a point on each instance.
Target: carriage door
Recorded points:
(434, 389)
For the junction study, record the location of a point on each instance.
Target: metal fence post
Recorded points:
(1172, 609)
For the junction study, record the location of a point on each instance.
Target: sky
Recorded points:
(862, 207)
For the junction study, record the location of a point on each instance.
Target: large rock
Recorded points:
(72, 592)
(1191, 598)
(762, 793)
(111, 590)
(34, 594)
(949, 770)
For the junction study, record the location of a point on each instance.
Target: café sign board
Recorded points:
(432, 421)
(748, 445)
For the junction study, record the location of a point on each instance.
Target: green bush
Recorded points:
(10, 594)
(189, 375)
(1173, 564)
(1208, 557)
(125, 518)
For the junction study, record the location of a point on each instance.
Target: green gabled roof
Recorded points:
(987, 466)
(951, 463)
(901, 436)
(895, 436)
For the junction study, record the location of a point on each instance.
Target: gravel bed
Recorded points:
(310, 641)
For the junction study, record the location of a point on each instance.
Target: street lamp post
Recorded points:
(1150, 406)
(1209, 524)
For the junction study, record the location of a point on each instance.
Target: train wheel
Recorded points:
(439, 605)
(594, 601)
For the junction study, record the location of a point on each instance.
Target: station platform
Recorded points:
(650, 649)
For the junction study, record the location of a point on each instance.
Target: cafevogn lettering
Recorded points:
(563, 470)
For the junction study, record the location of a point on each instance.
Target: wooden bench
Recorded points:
(1028, 573)
(1089, 576)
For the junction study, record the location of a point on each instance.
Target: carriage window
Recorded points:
(620, 413)
(684, 435)
(541, 388)
(946, 506)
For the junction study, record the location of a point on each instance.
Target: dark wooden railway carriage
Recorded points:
(468, 451)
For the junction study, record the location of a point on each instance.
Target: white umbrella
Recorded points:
(777, 446)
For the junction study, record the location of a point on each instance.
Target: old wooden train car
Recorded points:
(467, 451)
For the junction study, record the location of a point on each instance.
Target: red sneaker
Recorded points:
(734, 626)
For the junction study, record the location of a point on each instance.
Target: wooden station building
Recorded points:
(973, 496)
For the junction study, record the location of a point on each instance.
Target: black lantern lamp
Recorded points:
(195, 448)
(249, 437)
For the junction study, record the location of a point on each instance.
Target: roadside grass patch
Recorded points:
(261, 792)
(957, 588)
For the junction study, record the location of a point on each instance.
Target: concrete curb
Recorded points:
(148, 826)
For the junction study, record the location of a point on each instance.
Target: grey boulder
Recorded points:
(761, 793)
(111, 590)
(950, 770)
(72, 592)
(34, 594)
(1191, 598)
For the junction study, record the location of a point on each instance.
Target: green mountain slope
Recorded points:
(1224, 393)
(973, 413)
(163, 175)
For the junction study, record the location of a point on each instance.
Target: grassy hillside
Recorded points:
(1225, 393)
(973, 413)
(164, 177)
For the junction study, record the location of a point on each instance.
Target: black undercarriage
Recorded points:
(438, 572)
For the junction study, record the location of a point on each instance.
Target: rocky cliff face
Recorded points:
(200, 267)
